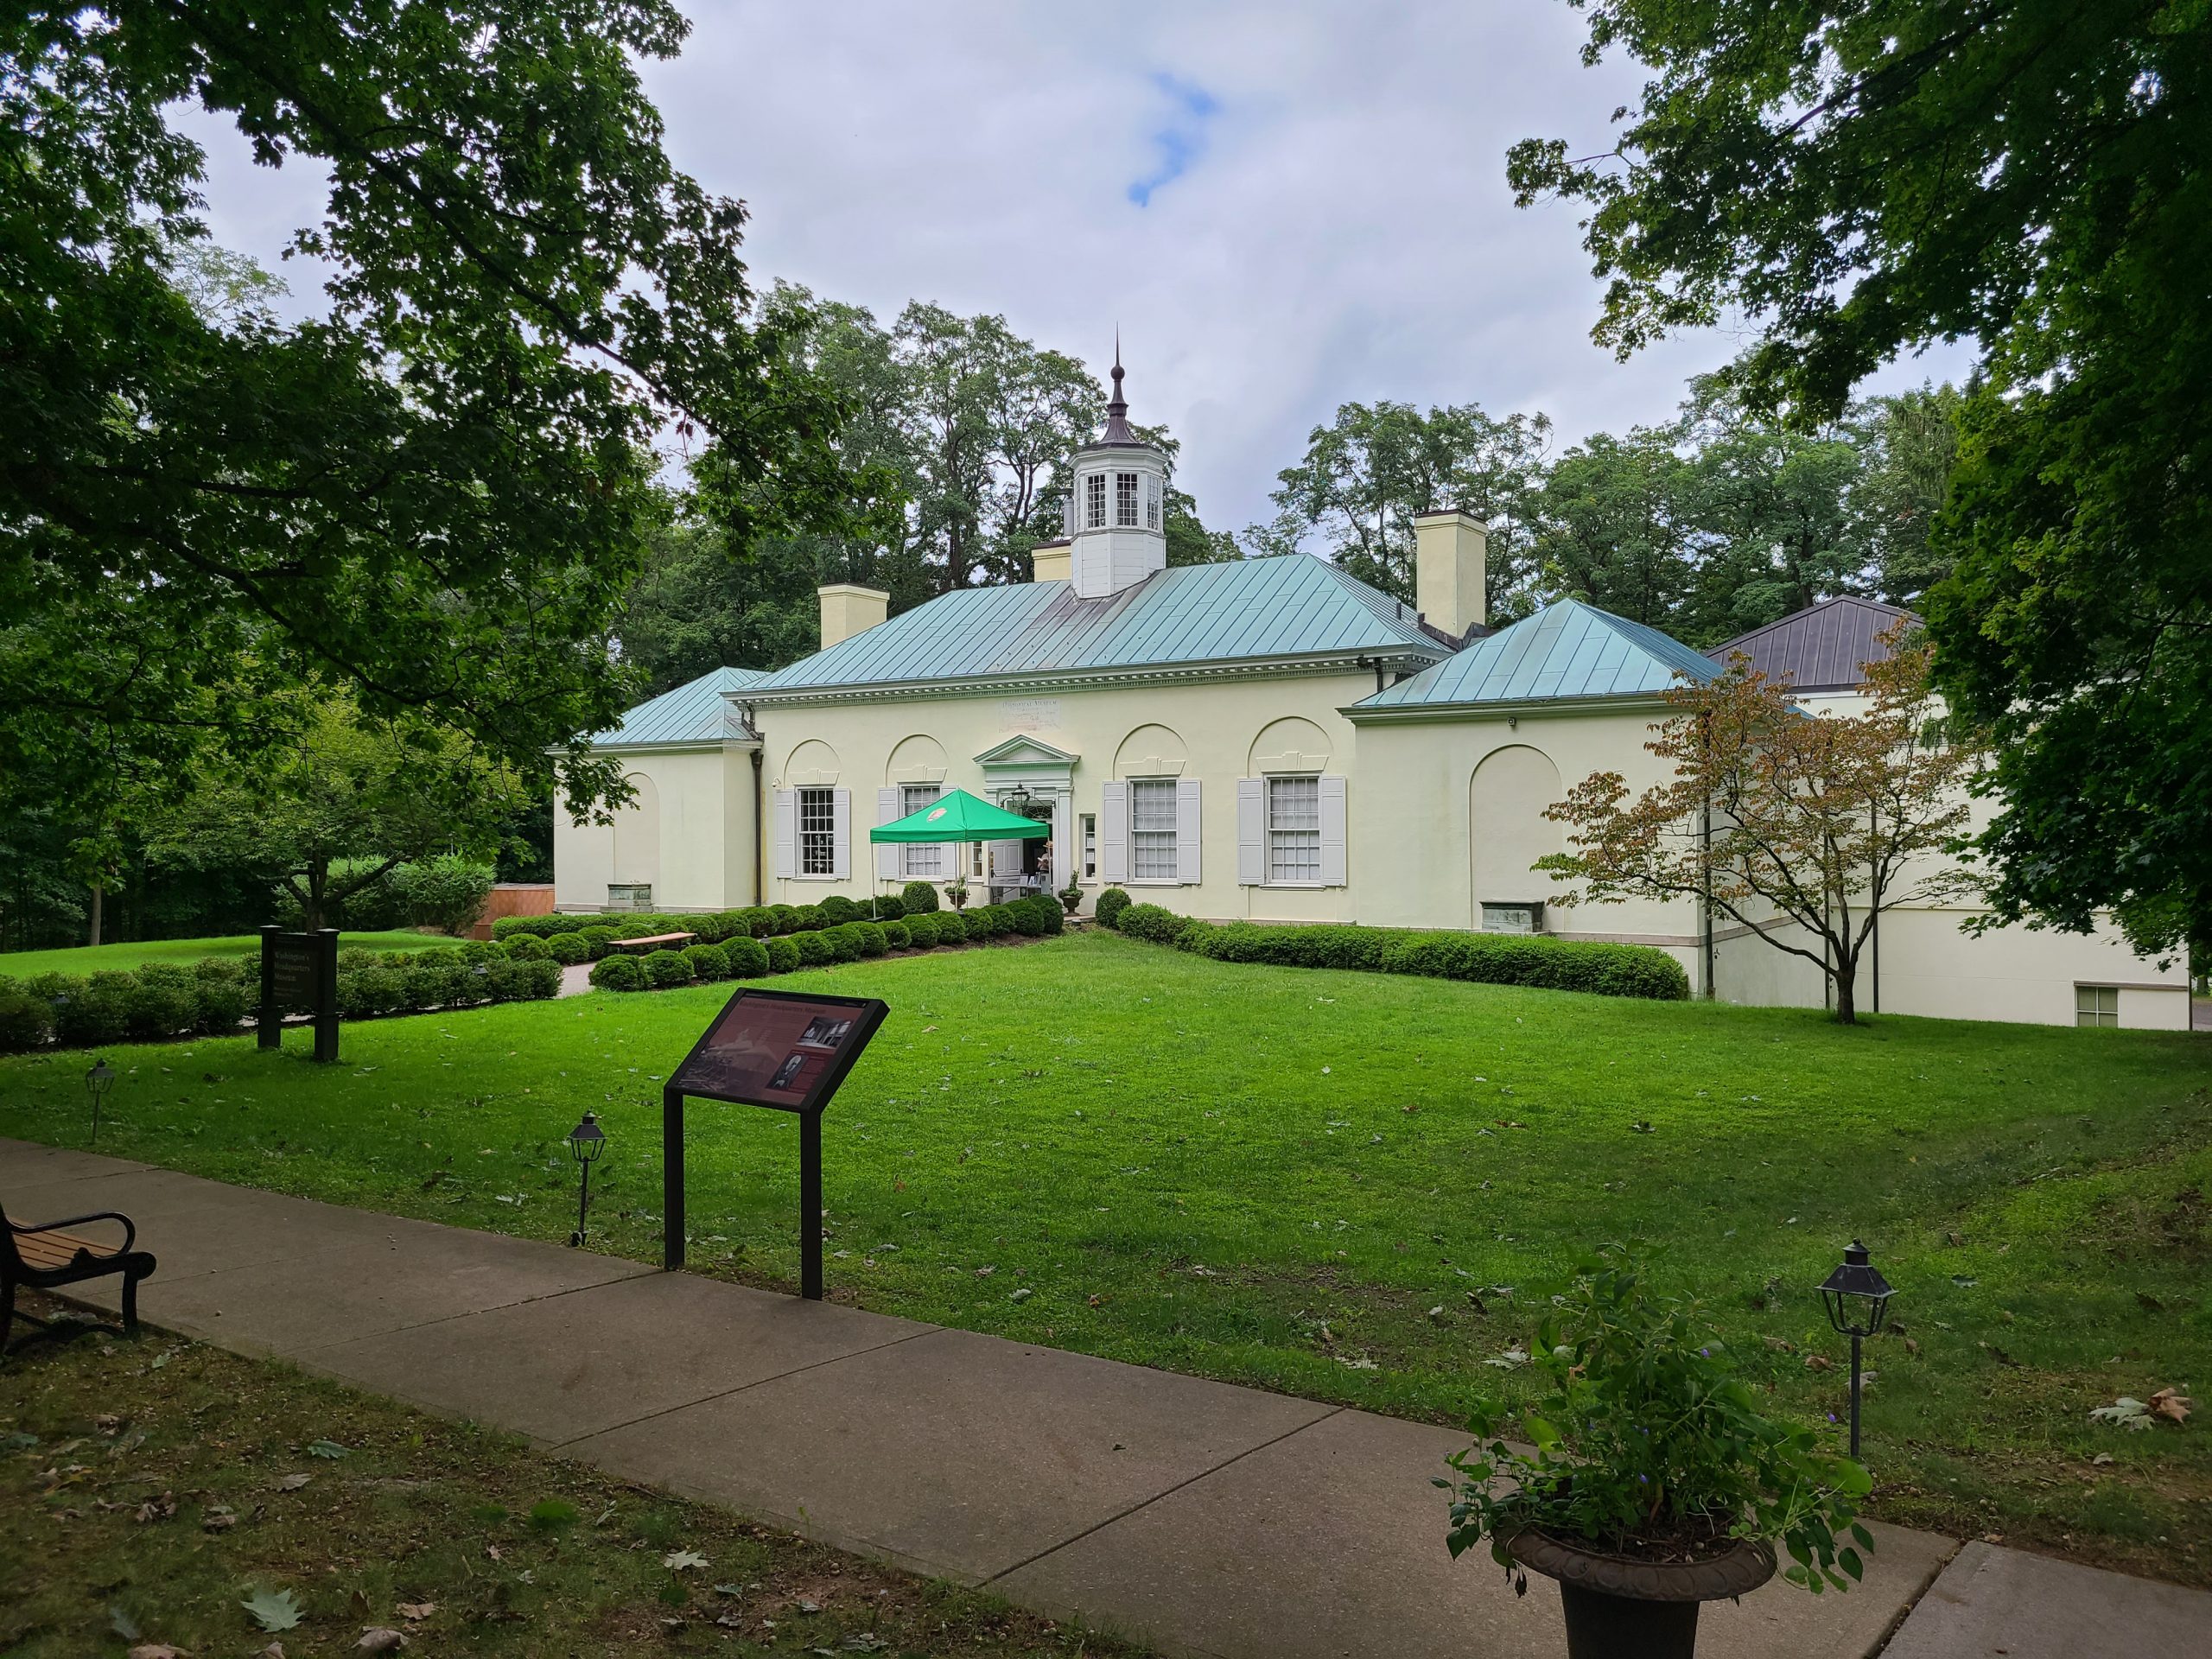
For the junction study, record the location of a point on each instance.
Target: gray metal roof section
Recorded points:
(1289, 606)
(1565, 651)
(693, 712)
(1822, 647)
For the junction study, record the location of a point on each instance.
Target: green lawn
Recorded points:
(1357, 1187)
(100, 958)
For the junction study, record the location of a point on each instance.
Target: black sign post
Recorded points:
(299, 970)
(783, 1050)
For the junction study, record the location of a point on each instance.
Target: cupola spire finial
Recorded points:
(1117, 408)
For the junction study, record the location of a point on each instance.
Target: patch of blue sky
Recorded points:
(1182, 139)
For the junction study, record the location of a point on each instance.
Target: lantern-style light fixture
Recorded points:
(586, 1143)
(1857, 1299)
(97, 1082)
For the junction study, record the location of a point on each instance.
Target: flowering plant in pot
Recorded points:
(1652, 1482)
(956, 892)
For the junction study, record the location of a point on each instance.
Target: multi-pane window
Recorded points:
(1513, 918)
(923, 860)
(1125, 500)
(1090, 846)
(1093, 501)
(2097, 1005)
(1152, 829)
(1151, 502)
(817, 832)
(1294, 830)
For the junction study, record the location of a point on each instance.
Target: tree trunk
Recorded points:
(97, 896)
(1846, 1008)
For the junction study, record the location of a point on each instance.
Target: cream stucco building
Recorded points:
(1267, 739)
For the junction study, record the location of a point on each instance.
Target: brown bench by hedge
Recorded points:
(656, 942)
(47, 1256)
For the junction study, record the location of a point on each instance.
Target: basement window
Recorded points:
(1512, 918)
(2097, 1005)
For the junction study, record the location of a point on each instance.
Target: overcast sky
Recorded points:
(1283, 210)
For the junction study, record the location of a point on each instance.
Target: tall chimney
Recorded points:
(848, 608)
(1450, 551)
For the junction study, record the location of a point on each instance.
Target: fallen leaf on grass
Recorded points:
(1818, 1363)
(1509, 1359)
(274, 1609)
(2127, 1412)
(379, 1639)
(158, 1650)
(2171, 1403)
(325, 1449)
(217, 1518)
(417, 1610)
(292, 1483)
(683, 1561)
(157, 1509)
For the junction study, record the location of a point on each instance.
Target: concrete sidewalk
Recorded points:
(1202, 1518)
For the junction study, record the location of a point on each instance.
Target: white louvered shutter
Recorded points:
(840, 829)
(1332, 831)
(887, 852)
(1186, 830)
(787, 833)
(1114, 833)
(1251, 831)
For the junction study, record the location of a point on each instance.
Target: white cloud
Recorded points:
(1280, 210)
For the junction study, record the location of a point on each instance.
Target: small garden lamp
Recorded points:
(586, 1141)
(97, 1082)
(1857, 1298)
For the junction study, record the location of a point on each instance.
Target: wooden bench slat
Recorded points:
(655, 939)
(48, 1250)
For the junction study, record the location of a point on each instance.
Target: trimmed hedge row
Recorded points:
(162, 1000)
(715, 927)
(1481, 958)
(744, 957)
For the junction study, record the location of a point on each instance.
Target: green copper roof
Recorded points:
(1250, 609)
(1566, 651)
(693, 712)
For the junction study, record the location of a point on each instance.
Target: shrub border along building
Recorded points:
(1588, 965)
(162, 1000)
(747, 957)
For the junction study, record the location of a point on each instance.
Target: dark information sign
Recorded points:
(784, 1049)
(299, 971)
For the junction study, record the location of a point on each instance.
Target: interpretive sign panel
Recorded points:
(784, 1050)
(299, 971)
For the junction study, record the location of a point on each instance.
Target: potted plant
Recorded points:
(1652, 1481)
(956, 891)
(1071, 896)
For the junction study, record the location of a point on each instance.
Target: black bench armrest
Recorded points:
(130, 1227)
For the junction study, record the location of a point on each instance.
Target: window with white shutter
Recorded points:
(925, 858)
(1294, 830)
(1152, 829)
(817, 832)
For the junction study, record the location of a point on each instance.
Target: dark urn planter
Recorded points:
(1617, 1606)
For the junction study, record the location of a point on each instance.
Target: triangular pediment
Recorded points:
(1023, 750)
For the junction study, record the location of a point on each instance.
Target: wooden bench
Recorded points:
(653, 942)
(48, 1256)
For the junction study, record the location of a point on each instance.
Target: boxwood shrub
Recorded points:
(527, 947)
(618, 974)
(844, 942)
(1151, 922)
(566, 947)
(919, 897)
(952, 927)
(885, 907)
(871, 938)
(1111, 903)
(813, 949)
(667, 968)
(783, 957)
(709, 963)
(897, 936)
(747, 957)
(221, 1004)
(26, 1021)
(921, 929)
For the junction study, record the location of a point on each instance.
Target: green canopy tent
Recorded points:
(958, 816)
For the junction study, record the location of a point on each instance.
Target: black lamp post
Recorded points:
(586, 1141)
(97, 1082)
(1857, 1298)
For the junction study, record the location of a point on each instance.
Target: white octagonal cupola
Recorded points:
(1118, 516)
